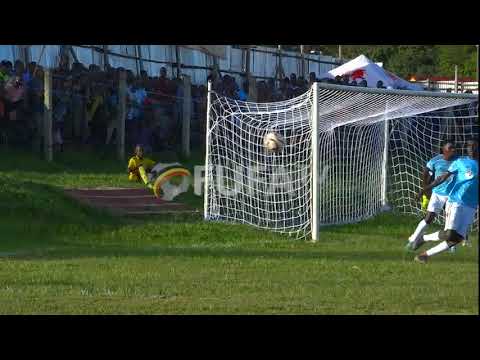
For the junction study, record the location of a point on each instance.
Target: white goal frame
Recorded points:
(390, 106)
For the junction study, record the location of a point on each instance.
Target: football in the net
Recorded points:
(273, 142)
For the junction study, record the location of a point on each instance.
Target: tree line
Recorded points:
(409, 60)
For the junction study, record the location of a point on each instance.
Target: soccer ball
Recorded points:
(273, 142)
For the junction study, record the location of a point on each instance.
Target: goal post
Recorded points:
(386, 141)
(349, 154)
(315, 164)
(207, 151)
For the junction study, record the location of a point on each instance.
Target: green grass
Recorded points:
(59, 257)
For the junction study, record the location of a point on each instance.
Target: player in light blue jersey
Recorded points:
(435, 168)
(461, 205)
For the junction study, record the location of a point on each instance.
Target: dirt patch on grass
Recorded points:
(128, 202)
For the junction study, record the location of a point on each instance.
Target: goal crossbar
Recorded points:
(339, 134)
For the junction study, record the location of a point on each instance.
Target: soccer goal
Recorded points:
(347, 155)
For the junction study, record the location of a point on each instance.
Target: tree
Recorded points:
(465, 56)
(413, 60)
(408, 60)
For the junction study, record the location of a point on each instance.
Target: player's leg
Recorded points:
(458, 219)
(134, 176)
(444, 204)
(144, 177)
(417, 243)
(422, 225)
(435, 206)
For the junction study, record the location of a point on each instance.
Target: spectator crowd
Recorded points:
(85, 106)
(85, 103)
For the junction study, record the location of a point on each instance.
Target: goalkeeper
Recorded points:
(139, 167)
(438, 196)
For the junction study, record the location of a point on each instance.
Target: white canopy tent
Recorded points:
(362, 68)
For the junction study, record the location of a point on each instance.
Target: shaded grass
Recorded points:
(58, 256)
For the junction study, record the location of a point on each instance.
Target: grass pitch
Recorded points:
(59, 257)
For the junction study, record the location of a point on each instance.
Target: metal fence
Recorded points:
(444, 86)
(196, 64)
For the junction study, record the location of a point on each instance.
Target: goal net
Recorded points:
(245, 183)
(345, 156)
(415, 140)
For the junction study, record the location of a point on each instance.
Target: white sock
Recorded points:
(438, 249)
(419, 230)
(431, 237)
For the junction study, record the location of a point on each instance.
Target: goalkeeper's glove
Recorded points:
(425, 201)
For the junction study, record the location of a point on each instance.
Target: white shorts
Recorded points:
(459, 218)
(436, 203)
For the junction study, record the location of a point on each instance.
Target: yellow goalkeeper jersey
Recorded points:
(135, 162)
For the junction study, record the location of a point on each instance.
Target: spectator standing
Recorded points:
(28, 73)
(94, 106)
(9, 68)
(4, 73)
(14, 96)
(4, 76)
(302, 86)
(112, 113)
(243, 92)
(61, 105)
(163, 99)
(77, 107)
(312, 78)
(294, 85)
(287, 89)
(19, 68)
(145, 135)
(143, 75)
(174, 130)
(270, 91)
(203, 93)
(36, 90)
(261, 91)
(135, 97)
(293, 79)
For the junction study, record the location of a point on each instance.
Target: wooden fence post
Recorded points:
(187, 113)
(47, 123)
(122, 111)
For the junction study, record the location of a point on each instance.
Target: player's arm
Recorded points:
(452, 170)
(427, 177)
(131, 166)
(438, 181)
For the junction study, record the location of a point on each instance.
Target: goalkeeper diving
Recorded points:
(462, 203)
